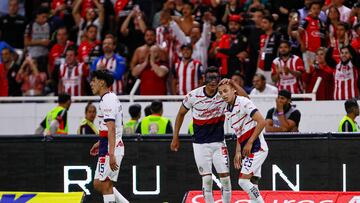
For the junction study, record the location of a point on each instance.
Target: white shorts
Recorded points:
(207, 154)
(252, 164)
(103, 170)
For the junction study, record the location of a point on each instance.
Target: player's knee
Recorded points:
(207, 182)
(255, 180)
(226, 183)
(97, 185)
(243, 183)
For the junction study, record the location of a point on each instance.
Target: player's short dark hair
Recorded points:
(147, 110)
(150, 30)
(104, 75)
(212, 69)
(350, 104)
(88, 105)
(63, 98)
(135, 110)
(156, 106)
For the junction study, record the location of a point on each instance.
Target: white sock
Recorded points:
(252, 191)
(109, 198)
(226, 189)
(207, 188)
(118, 197)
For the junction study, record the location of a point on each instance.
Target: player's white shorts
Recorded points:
(207, 154)
(103, 170)
(252, 163)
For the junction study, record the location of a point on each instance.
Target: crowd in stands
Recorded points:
(49, 47)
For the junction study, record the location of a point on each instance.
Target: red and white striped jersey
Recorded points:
(112, 64)
(288, 81)
(71, 78)
(240, 119)
(188, 75)
(346, 77)
(165, 40)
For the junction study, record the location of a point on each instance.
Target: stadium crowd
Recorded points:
(50, 47)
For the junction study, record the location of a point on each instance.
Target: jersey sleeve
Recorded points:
(248, 106)
(108, 109)
(189, 100)
(295, 116)
(270, 113)
(120, 68)
(273, 67)
(299, 65)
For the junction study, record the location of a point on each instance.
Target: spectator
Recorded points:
(37, 37)
(168, 7)
(239, 79)
(89, 49)
(333, 19)
(135, 114)
(355, 43)
(56, 120)
(232, 7)
(292, 32)
(142, 52)
(260, 86)
(346, 71)
(187, 71)
(57, 52)
(72, 75)
(304, 12)
(33, 81)
(287, 70)
(344, 11)
(165, 39)
(8, 70)
(320, 69)
(155, 123)
(4, 45)
(348, 123)
(236, 52)
(253, 32)
(187, 21)
(113, 62)
(284, 117)
(89, 19)
(222, 41)
(199, 40)
(133, 30)
(87, 126)
(152, 73)
(12, 26)
(342, 38)
(269, 43)
(312, 34)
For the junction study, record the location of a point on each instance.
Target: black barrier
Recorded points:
(150, 172)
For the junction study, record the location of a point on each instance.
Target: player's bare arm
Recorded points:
(237, 157)
(175, 143)
(239, 90)
(94, 151)
(111, 136)
(259, 127)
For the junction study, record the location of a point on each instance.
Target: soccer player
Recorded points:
(110, 147)
(251, 148)
(208, 139)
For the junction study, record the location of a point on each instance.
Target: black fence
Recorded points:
(328, 162)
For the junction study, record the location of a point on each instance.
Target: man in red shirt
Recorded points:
(287, 69)
(342, 38)
(312, 34)
(90, 46)
(152, 73)
(57, 52)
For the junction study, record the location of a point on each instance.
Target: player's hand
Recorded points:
(237, 160)
(175, 144)
(247, 149)
(94, 151)
(113, 164)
